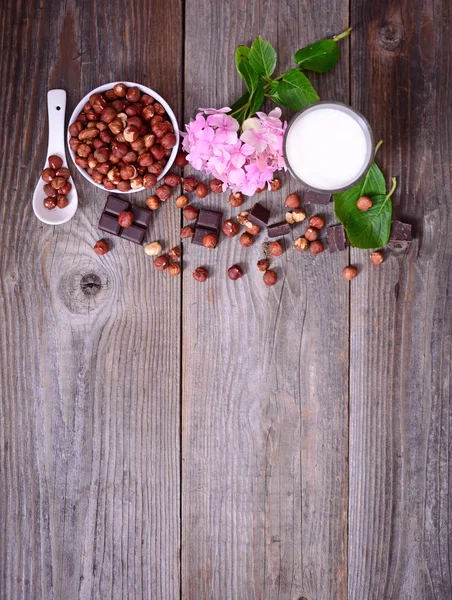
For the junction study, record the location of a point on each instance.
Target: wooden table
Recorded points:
(164, 439)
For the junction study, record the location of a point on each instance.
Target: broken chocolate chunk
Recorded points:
(336, 238)
(311, 197)
(259, 215)
(278, 229)
(400, 232)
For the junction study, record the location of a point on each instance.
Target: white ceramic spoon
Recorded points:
(56, 107)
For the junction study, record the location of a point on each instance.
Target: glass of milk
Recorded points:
(328, 147)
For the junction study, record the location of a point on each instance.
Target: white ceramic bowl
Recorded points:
(102, 88)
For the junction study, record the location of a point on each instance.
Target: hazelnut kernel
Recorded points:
(349, 272)
(181, 160)
(252, 228)
(276, 249)
(246, 239)
(301, 244)
(364, 203)
(316, 247)
(298, 215)
(181, 201)
(172, 179)
(161, 263)
(50, 203)
(153, 202)
(201, 190)
(216, 186)
(163, 192)
(174, 253)
(230, 228)
(101, 247)
(263, 264)
(236, 199)
(317, 222)
(186, 232)
(270, 277)
(376, 258)
(275, 184)
(153, 249)
(190, 213)
(235, 272)
(189, 184)
(174, 269)
(55, 162)
(311, 234)
(62, 201)
(125, 218)
(293, 201)
(242, 217)
(47, 175)
(200, 274)
(289, 218)
(209, 240)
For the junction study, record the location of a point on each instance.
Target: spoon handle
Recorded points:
(56, 108)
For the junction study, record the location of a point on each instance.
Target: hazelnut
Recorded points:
(125, 218)
(181, 201)
(138, 144)
(200, 274)
(116, 126)
(236, 199)
(97, 102)
(293, 201)
(106, 136)
(235, 272)
(159, 129)
(55, 162)
(119, 104)
(50, 203)
(172, 179)
(246, 239)
(83, 150)
(103, 168)
(91, 115)
(168, 141)
(289, 218)
(135, 122)
(252, 228)
(136, 183)
(270, 277)
(148, 112)
(101, 247)
(110, 95)
(230, 228)
(107, 115)
(155, 169)
(174, 253)
(92, 162)
(316, 247)
(317, 222)
(88, 134)
(65, 189)
(124, 185)
(216, 186)
(209, 240)
(146, 99)
(145, 159)
(98, 143)
(102, 154)
(298, 215)
(114, 176)
(75, 128)
(311, 234)
(149, 140)
(153, 202)
(275, 184)
(301, 244)
(242, 217)
(81, 162)
(149, 181)
(161, 263)
(163, 192)
(130, 157)
(133, 109)
(47, 175)
(275, 249)
(130, 133)
(181, 160)
(263, 264)
(186, 232)
(201, 190)
(190, 213)
(349, 272)
(156, 119)
(108, 185)
(133, 94)
(128, 172)
(376, 258)
(159, 110)
(174, 269)
(101, 126)
(74, 143)
(82, 118)
(120, 90)
(189, 184)
(97, 177)
(119, 149)
(157, 151)
(364, 203)
(153, 249)
(63, 172)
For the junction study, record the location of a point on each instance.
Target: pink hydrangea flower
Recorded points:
(243, 162)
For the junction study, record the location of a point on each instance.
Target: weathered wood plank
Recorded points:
(89, 491)
(265, 371)
(401, 314)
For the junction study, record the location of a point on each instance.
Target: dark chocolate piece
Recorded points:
(109, 219)
(115, 205)
(141, 216)
(200, 233)
(400, 232)
(209, 219)
(259, 215)
(278, 229)
(337, 240)
(134, 233)
(109, 223)
(311, 197)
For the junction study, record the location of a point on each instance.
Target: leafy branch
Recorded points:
(256, 64)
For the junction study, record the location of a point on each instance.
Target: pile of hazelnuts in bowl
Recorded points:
(123, 137)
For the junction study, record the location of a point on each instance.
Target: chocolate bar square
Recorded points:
(278, 229)
(116, 205)
(134, 233)
(311, 197)
(400, 232)
(209, 219)
(109, 223)
(200, 233)
(259, 215)
(336, 238)
(141, 216)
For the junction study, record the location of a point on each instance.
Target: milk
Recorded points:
(328, 146)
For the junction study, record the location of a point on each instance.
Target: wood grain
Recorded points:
(265, 370)
(401, 314)
(89, 491)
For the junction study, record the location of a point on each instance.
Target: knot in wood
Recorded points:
(90, 284)
(391, 36)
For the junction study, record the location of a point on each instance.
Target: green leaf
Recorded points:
(295, 90)
(238, 104)
(248, 74)
(248, 104)
(371, 228)
(273, 92)
(241, 52)
(262, 57)
(320, 56)
(256, 99)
